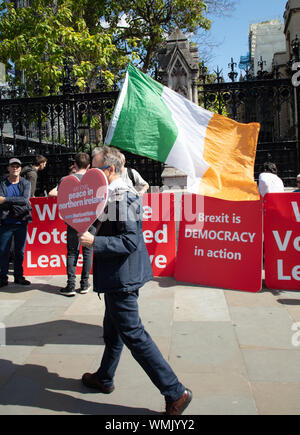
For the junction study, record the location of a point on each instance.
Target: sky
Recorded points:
(232, 32)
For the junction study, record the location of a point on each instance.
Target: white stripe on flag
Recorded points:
(116, 114)
(191, 121)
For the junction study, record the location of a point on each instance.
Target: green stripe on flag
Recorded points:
(145, 125)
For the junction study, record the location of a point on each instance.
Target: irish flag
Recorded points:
(216, 153)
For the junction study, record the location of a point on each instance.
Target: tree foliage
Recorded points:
(94, 35)
(39, 38)
(143, 25)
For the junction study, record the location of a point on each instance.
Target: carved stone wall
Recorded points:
(179, 65)
(179, 70)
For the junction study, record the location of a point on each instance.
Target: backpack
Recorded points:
(25, 171)
(131, 176)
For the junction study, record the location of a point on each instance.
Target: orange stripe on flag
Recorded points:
(230, 149)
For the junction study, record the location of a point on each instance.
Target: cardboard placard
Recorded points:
(159, 232)
(220, 243)
(80, 202)
(282, 241)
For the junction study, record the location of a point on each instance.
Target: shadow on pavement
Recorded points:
(13, 288)
(54, 332)
(289, 301)
(30, 385)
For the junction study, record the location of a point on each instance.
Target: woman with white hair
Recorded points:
(269, 182)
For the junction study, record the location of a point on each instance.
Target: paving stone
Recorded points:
(274, 398)
(243, 299)
(268, 327)
(233, 349)
(272, 365)
(201, 347)
(200, 305)
(219, 394)
(8, 306)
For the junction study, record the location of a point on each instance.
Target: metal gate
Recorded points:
(59, 126)
(274, 104)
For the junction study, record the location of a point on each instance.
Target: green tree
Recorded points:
(39, 38)
(94, 34)
(143, 25)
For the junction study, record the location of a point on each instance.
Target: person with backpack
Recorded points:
(133, 179)
(30, 172)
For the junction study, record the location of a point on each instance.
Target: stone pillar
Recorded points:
(179, 70)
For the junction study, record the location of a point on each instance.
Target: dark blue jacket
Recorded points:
(121, 261)
(17, 207)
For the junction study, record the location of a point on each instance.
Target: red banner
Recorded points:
(282, 240)
(46, 247)
(220, 243)
(159, 232)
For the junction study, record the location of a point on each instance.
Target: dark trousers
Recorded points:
(19, 232)
(122, 325)
(72, 247)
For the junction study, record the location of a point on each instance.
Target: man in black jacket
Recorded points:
(121, 267)
(15, 213)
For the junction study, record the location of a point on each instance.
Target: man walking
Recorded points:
(81, 164)
(15, 213)
(121, 267)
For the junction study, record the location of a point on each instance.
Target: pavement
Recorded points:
(238, 352)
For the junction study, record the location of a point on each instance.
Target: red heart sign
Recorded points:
(81, 202)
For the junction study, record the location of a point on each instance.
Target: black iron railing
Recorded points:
(274, 103)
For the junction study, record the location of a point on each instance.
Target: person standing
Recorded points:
(15, 213)
(121, 267)
(81, 165)
(269, 182)
(133, 178)
(30, 172)
(298, 184)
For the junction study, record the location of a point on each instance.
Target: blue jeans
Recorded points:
(19, 231)
(87, 253)
(122, 325)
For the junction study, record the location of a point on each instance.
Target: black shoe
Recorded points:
(67, 291)
(22, 281)
(90, 380)
(3, 282)
(84, 289)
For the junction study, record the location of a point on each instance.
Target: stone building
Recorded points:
(179, 65)
(179, 70)
(265, 39)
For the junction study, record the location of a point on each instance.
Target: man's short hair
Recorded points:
(298, 177)
(96, 151)
(82, 160)
(40, 159)
(123, 158)
(112, 157)
(270, 167)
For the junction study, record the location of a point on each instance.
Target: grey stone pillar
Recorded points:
(179, 70)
